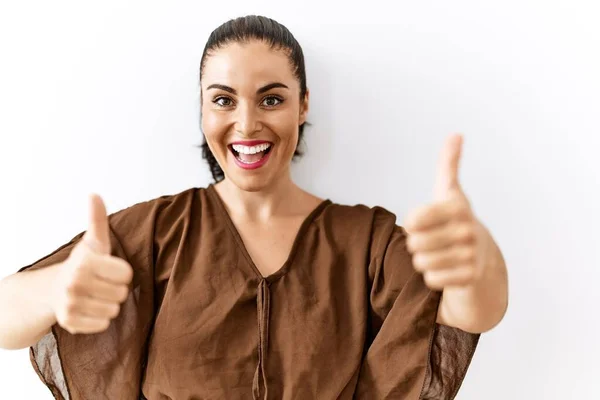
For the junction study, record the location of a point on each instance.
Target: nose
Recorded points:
(247, 121)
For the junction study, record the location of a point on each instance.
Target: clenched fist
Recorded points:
(448, 243)
(91, 285)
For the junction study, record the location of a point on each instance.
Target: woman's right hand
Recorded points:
(90, 284)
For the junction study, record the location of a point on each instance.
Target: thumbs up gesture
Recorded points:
(91, 284)
(447, 242)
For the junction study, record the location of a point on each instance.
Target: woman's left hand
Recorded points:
(450, 247)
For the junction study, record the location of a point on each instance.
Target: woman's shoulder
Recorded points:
(155, 212)
(358, 214)
(353, 224)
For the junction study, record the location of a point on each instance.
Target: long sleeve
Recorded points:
(109, 364)
(408, 355)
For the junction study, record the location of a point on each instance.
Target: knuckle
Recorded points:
(469, 232)
(123, 293)
(464, 211)
(472, 274)
(128, 271)
(467, 254)
(114, 311)
(410, 243)
(418, 261)
(75, 288)
(60, 319)
(104, 324)
(466, 273)
(472, 255)
(430, 280)
(84, 260)
(448, 258)
(78, 276)
(461, 207)
(466, 278)
(72, 288)
(70, 307)
(427, 279)
(68, 321)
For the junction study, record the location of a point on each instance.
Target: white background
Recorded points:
(103, 97)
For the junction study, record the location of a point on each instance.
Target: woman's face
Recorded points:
(251, 111)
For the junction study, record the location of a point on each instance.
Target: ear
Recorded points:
(304, 108)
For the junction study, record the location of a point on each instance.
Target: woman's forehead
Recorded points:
(253, 63)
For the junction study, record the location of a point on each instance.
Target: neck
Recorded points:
(280, 198)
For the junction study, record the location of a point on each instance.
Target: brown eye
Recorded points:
(223, 101)
(272, 101)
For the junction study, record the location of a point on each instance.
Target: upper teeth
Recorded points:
(251, 149)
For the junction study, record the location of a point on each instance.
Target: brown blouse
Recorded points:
(346, 317)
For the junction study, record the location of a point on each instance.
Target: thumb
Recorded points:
(447, 170)
(97, 236)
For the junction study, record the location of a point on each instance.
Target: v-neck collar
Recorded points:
(238, 238)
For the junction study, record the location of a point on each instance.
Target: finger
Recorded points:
(112, 270)
(98, 289)
(447, 169)
(440, 279)
(443, 259)
(94, 308)
(441, 237)
(97, 236)
(106, 291)
(84, 324)
(432, 215)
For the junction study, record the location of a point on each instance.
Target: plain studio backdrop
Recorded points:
(103, 97)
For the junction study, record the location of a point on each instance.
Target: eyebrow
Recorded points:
(263, 89)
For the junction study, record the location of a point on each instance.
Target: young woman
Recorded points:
(253, 287)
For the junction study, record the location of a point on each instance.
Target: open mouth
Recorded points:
(251, 156)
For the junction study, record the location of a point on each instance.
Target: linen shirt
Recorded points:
(345, 317)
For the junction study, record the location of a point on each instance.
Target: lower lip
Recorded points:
(255, 165)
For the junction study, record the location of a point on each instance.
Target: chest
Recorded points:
(269, 245)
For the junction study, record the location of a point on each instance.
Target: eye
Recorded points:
(272, 101)
(223, 101)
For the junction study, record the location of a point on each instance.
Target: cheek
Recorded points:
(286, 125)
(287, 130)
(212, 126)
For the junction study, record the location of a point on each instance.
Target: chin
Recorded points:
(257, 181)
(248, 184)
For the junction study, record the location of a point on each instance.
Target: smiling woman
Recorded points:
(250, 287)
(265, 105)
(274, 82)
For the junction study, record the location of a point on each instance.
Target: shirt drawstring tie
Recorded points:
(263, 307)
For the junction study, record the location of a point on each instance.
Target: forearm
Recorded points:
(25, 313)
(481, 306)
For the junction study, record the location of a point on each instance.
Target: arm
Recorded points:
(25, 313)
(405, 343)
(456, 253)
(79, 286)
